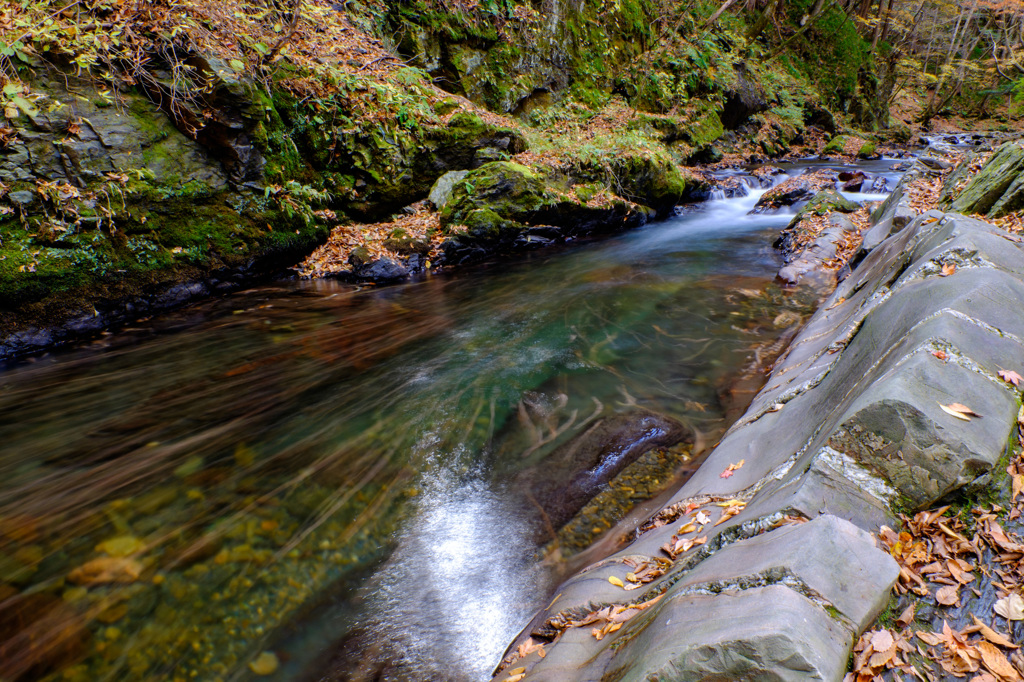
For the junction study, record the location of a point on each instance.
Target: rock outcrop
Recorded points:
(998, 188)
(764, 565)
(504, 206)
(115, 208)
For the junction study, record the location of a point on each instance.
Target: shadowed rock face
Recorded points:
(565, 481)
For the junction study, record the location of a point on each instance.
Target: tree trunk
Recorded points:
(762, 22)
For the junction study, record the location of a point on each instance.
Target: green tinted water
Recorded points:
(175, 495)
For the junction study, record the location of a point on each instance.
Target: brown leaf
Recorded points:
(994, 660)
(991, 635)
(947, 269)
(1010, 376)
(907, 617)
(947, 596)
(940, 355)
(959, 411)
(106, 570)
(882, 640)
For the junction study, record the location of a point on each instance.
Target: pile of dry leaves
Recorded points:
(941, 557)
(377, 238)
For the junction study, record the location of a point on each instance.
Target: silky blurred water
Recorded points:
(322, 470)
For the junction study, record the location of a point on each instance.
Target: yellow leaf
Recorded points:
(616, 581)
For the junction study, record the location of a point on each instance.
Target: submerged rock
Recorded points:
(571, 475)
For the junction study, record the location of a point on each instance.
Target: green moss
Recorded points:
(867, 150)
(835, 146)
(705, 129)
(504, 188)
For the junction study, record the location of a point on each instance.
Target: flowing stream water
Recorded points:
(314, 480)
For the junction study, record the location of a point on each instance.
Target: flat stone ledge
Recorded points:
(768, 633)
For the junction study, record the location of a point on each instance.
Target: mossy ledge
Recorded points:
(218, 147)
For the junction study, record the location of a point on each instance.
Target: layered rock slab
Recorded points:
(849, 427)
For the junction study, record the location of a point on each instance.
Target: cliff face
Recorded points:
(211, 148)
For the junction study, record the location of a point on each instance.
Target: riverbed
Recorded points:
(316, 480)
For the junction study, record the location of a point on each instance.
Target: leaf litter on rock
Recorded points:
(934, 552)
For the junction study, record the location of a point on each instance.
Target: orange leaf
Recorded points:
(947, 596)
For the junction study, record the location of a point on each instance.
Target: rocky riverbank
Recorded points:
(775, 557)
(221, 143)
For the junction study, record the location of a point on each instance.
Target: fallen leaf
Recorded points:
(959, 411)
(106, 570)
(994, 660)
(947, 269)
(726, 474)
(1010, 376)
(1011, 607)
(881, 640)
(947, 596)
(907, 617)
(940, 355)
(702, 518)
(991, 635)
(616, 581)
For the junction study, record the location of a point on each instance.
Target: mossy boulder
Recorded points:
(500, 188)
(868, 150)
(836, 145)
(650, 179)
(825, 201)
(503, 207)
(998, 188)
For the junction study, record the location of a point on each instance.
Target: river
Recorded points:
(315, 480)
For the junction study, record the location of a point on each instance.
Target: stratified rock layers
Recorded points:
(850, 427)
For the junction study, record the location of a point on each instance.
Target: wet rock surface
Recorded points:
(504, 207)
(770, 546)
(576, 471)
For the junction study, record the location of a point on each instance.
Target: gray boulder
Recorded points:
(998, 188)
(442, 189)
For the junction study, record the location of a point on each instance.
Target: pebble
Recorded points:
(264, 664)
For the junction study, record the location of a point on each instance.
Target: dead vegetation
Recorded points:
(947, 556)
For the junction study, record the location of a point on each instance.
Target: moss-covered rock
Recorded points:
(836, 145)
(503, 207)
(868, 150)
(501, 188)
(535, 57)
(998, 188)
(825, 201)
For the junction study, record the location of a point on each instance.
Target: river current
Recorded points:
(315, 480)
